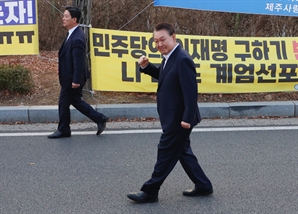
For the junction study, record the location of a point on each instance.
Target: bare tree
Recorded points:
(114, 14)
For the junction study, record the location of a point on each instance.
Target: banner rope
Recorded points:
(82, 25)
(54, 7)
(89, 26)
(136, 15)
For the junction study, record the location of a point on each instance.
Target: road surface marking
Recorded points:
(143, 131)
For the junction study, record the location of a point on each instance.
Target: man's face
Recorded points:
(68, 22)
(164, 42)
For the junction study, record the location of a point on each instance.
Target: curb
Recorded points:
(49, 114)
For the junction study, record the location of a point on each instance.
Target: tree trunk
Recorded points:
(85, 6)
(236, 27)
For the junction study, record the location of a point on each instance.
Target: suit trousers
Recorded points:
(173, 147)
(71, 96)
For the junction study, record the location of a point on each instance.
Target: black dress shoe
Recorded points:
(197, 192)
(142, 197)
(58, 134)
(101, 125)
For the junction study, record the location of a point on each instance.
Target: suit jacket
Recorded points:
(72, 60)
(177, 91)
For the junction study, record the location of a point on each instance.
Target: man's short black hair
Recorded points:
(165, 26)
(74, 12)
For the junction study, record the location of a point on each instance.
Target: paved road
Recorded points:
(252, 171)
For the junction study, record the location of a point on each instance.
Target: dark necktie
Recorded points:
(65, 40)
(162, 64)
(66, 36)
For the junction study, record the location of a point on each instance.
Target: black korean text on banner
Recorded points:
(223, 64)
(18, 27)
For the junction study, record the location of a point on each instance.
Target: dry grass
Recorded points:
(44, 71)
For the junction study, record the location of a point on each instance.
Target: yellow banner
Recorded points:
(18, 27)
(223, 64)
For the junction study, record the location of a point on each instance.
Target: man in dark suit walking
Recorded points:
(73, 74)
(178, 111)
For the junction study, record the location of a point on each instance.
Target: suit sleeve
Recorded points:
(188, 84)
(78, 54)
(151, 70)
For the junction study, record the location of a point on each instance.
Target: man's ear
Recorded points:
(174, 36)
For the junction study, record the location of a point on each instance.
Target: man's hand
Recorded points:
(143, 61)
(74, 85)
(185, 125)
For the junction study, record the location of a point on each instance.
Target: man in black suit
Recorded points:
(73, 74)
(178, 111)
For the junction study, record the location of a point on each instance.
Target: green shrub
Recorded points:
(16, 78)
